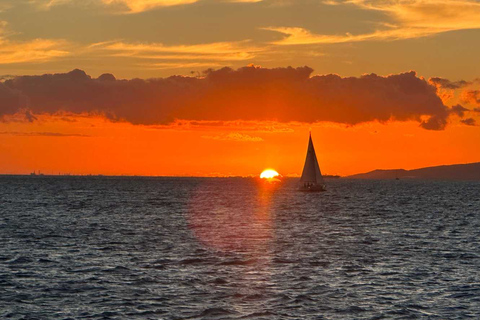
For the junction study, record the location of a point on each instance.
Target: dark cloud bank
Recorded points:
(249, 93)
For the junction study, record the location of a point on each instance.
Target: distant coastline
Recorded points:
(469, 171)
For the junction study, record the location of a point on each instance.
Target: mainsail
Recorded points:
(311, 171)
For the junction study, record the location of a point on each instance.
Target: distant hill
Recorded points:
(330, 176)
(470, 171)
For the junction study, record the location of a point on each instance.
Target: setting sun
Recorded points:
(269, 174)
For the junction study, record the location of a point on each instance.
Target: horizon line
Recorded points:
(143, 176)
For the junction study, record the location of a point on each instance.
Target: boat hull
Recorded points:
(315, 188)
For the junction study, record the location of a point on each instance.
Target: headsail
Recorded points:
(311, 170)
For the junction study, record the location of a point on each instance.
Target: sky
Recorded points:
(231, 87)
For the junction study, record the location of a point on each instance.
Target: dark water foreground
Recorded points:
(178, 248)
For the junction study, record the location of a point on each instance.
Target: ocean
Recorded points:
(231, 248)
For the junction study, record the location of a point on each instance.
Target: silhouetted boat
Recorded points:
(311, 180)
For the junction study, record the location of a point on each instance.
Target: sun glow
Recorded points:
(269, 174)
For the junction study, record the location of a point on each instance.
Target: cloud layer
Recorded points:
(409, 19)
(36, 50)
(249, 93)
(218, 51)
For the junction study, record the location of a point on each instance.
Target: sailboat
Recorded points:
(311, 180)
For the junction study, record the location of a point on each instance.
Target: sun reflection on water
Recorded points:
(232, 217)
(235, 219)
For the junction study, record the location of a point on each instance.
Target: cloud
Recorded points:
(235, 136)
(458, 110)
(301, 36)
(471, 96)
(469, 121)
(436, 122)
(446, 89)
(407, 19)
(11, 100)
(155, 55)
(432, 16)
(218, 51)
(447, 84)
(248, 94)
(6, 77)
(37, 50)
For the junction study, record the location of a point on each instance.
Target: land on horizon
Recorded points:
(469, 171)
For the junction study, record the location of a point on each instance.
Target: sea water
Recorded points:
(233, 248)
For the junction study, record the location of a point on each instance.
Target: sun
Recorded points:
(269, 174)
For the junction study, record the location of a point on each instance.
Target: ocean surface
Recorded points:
(216, 248)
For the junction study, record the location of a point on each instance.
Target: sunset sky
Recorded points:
(231, 87)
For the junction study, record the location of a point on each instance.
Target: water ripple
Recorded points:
(182, 248)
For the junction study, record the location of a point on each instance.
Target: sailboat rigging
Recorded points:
(311, 179)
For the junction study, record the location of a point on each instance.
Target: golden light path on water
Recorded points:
(234, 217)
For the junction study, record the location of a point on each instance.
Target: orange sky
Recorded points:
(164, 87)
(116, 148)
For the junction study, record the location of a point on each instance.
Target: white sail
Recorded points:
(311, 170)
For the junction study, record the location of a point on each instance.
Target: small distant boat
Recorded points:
(311, 180)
